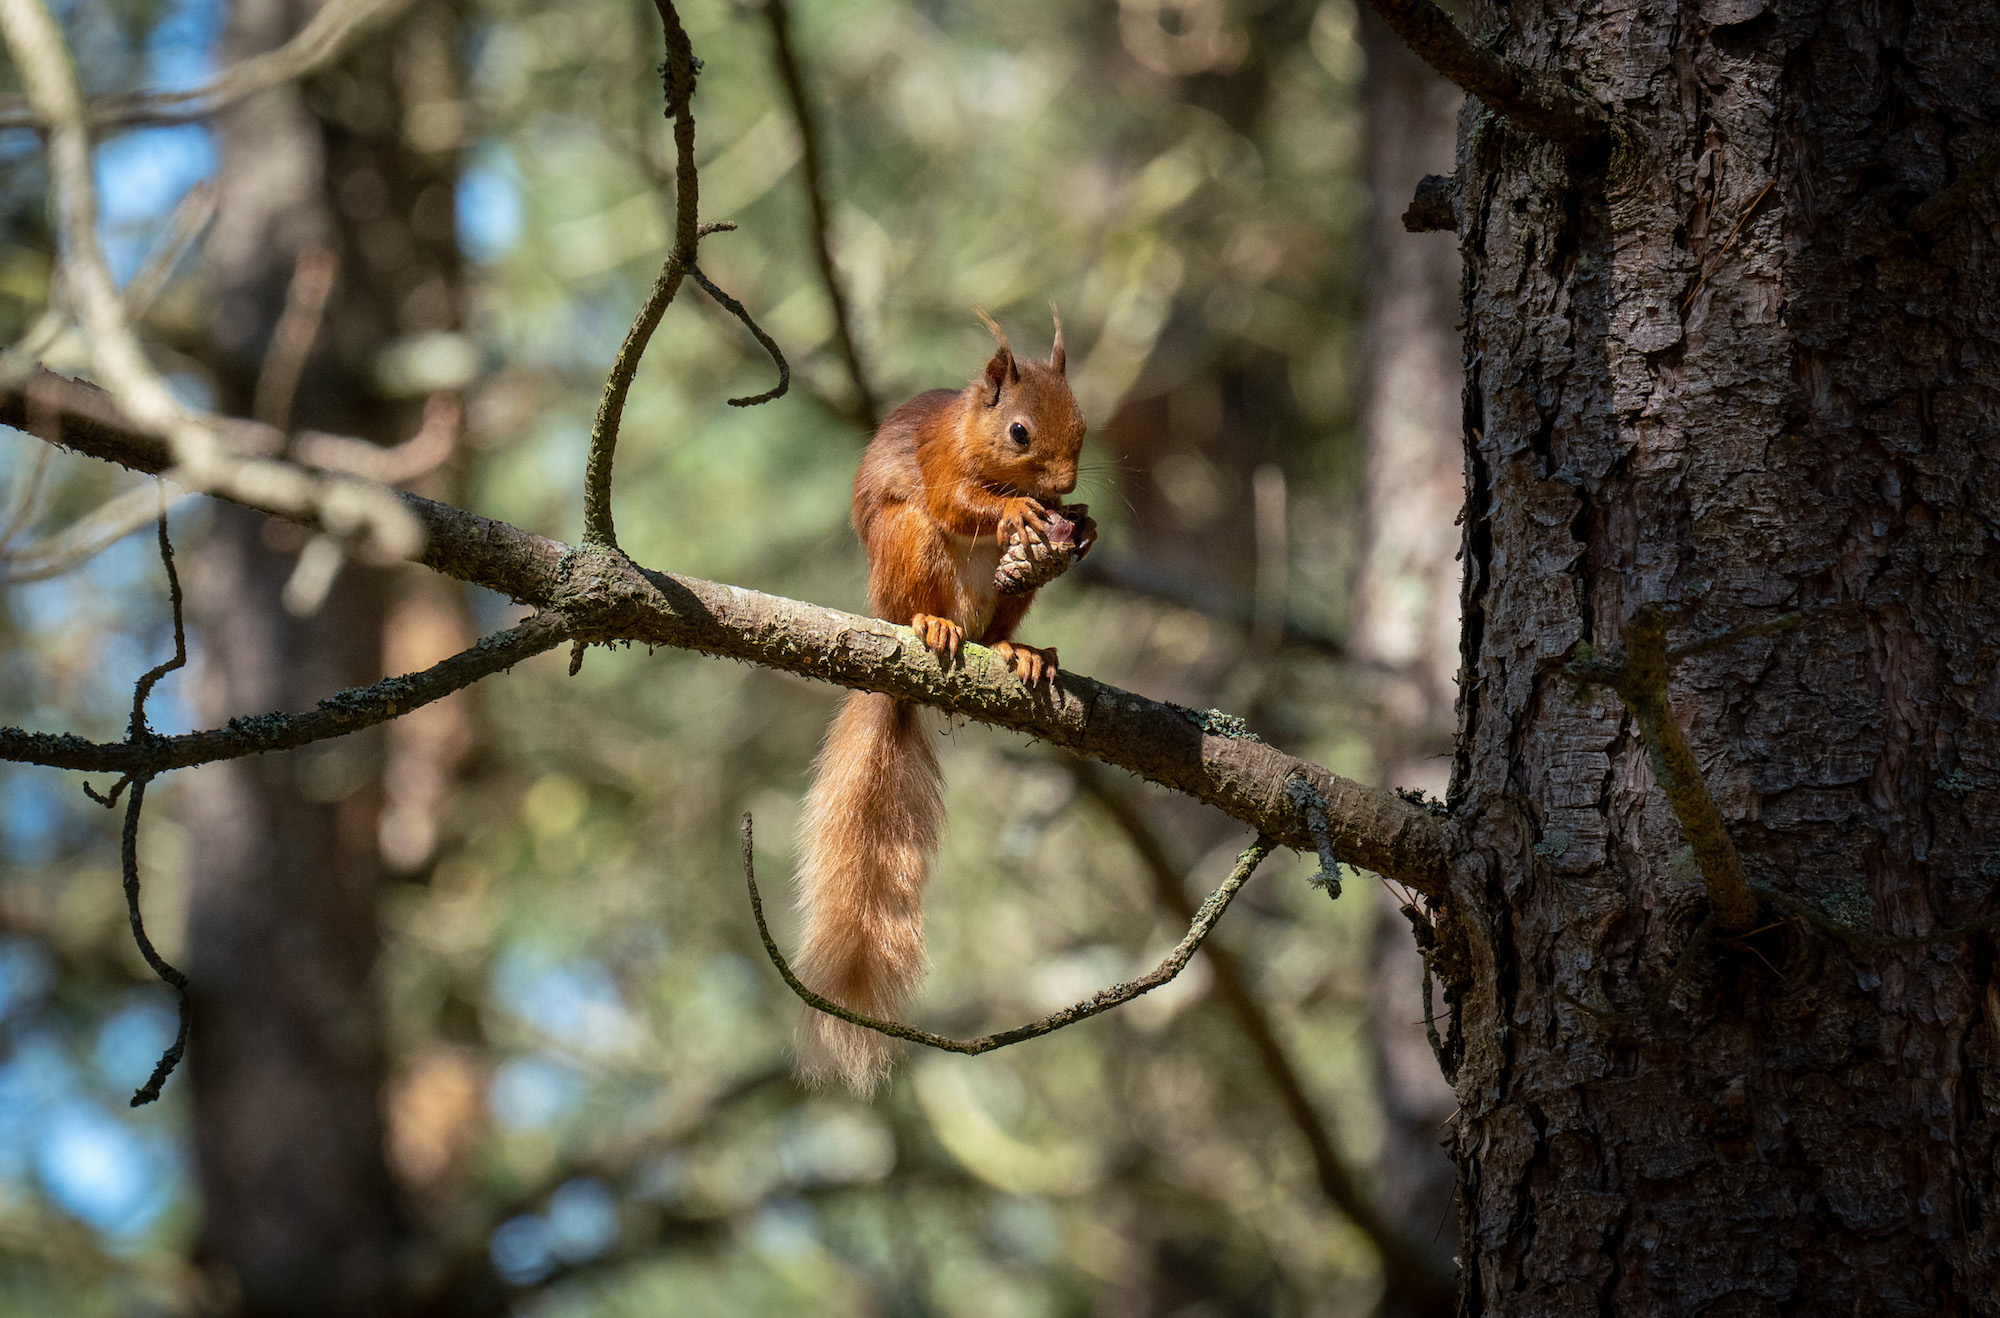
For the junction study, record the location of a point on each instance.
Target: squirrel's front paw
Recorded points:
(941, 636)
(1022, 518)
(1029, 664)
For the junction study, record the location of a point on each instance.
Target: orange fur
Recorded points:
(943, 487)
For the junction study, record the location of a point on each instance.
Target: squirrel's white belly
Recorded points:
(976, 559)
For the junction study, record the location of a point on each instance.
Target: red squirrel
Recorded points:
(948, 481)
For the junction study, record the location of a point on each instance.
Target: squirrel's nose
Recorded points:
(1066, 482)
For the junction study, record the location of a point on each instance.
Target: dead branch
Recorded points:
(770, 345)
(1097, 1003)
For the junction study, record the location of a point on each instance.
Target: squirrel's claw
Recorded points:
(1023, 518)
(941, 636)
(1028, 663)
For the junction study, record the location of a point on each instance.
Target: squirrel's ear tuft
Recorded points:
(1001, 368)
(1058, 359)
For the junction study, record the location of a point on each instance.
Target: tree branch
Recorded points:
(331, 34)
(1096, 1004)
(1535, 103)
(868, 411)
(1407, 1270)
(680, 75)
(606, 597)
(336, 716)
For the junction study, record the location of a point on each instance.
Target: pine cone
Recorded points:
(1028, 564)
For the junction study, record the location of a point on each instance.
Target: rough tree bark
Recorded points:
(300, 1215)
(1712, 367)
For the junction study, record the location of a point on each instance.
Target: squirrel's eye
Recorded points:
(1018, 433)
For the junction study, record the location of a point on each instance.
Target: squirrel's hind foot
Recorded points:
(1028, 663)
(941, 636)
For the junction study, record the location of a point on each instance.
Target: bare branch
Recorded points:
(742, 313)
(606, 597)
(336, 716)
(1097, 1003)
(1408, 1271)
(680, 76)
(331, 34)
(1530, 100)
(128, 853)
(868, 412)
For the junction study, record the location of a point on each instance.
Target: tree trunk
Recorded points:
(300, 1213)
(1720, 373)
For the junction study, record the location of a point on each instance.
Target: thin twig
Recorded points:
(336, 716)
(1409, 1272)
(1534, 102)
(137, 731)
(742, 313)
(1101, 1001)
(867, 412)
(331, 34)
(680, 73)
(129, 855)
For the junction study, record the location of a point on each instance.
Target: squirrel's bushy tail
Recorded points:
(871, 826)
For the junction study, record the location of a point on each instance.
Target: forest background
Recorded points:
(584, 1093)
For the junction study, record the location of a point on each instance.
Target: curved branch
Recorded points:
(1096, 1004)
(606, 597)
(336, 716)
(742, 313)
(680, 74)
(1535, 103)
(331, 34)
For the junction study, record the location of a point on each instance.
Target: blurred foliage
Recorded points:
(589, 1090)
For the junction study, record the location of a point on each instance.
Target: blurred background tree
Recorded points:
(484, 1024)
